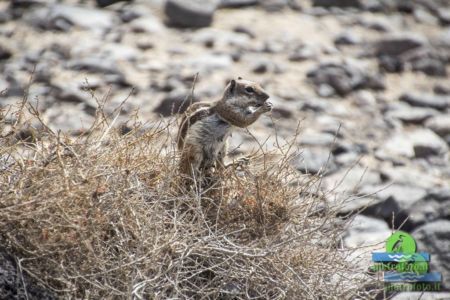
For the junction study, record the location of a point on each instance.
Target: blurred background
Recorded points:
(367, 80)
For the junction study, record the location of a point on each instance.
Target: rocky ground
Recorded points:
(367, 80)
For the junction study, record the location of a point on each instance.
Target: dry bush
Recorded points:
(103, 216)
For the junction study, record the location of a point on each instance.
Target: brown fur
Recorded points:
(206, 126)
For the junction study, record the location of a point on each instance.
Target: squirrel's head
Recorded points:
(244, 93)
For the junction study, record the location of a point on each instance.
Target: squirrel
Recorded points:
(205, 127)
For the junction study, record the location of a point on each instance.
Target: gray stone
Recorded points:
(430, 66)
(337, 3)
(94, 64)
(444, 16)
(68, 117)
(408, 114)
(146, 24)
(426, 100)
(407, 175)
(344, 78)
(237, 3)
(5, 53)
(208, 63)
(435, 238)
(190, 13)
(365, 231)
(439, 124)
(316, 139)
(347, 38)
(175, 102)
(315, 160)
(83, 17)
(393, 200)
(415, 143)
(397, 44)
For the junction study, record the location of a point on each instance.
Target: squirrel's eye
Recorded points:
(249, 89)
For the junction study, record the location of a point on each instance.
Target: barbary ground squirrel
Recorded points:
(205, 127)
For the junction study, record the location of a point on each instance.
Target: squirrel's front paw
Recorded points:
(267, 106)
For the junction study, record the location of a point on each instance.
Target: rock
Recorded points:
(397, 44)
(365, 235)
(190, 13)
(146, 24)
(430, 208)
(315, 160)
(346, 182)
(5, 53)
(13, 283)
(407, 175)
(62, 17)
(104, 3)
(392, 200)
(208, 63)
(426, 100)
(316, 139)
(440, 125)
(390, 64)
(68, 117)
(415, 143)
(435, 238)
(175, 102)
(95, 64)
(429, 66)
(444, 16)
(365, 231)
(408, 114)
(217, 38)
(303, 52)
(237, 3)
(347, 38)
(337, 3)
(441, 89)
(344, 78)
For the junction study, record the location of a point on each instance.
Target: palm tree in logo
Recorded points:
(398, 244)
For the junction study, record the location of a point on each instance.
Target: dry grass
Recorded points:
(103, 216)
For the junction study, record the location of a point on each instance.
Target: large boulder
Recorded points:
(190, 13)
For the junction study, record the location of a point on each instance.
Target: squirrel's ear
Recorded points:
(232, 85)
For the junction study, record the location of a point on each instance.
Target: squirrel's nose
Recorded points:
(265, 96)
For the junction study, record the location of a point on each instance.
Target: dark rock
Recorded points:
(395, 45)
(344, 78)
(5, 53)
(315, 160)
(175, 102)
(244, 30)
(104, 3)
(430, 208)
(390, 64)
(237, 3)
(337, 3)
(13, 283)
(435, 238)
(444, 16)
(347, 38)
(440, 89)
(190, 13)
(274, 5)
(426, 100)
(393, 200)
(429, 66)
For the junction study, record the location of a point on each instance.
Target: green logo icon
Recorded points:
(410, 261)
(401, 242)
